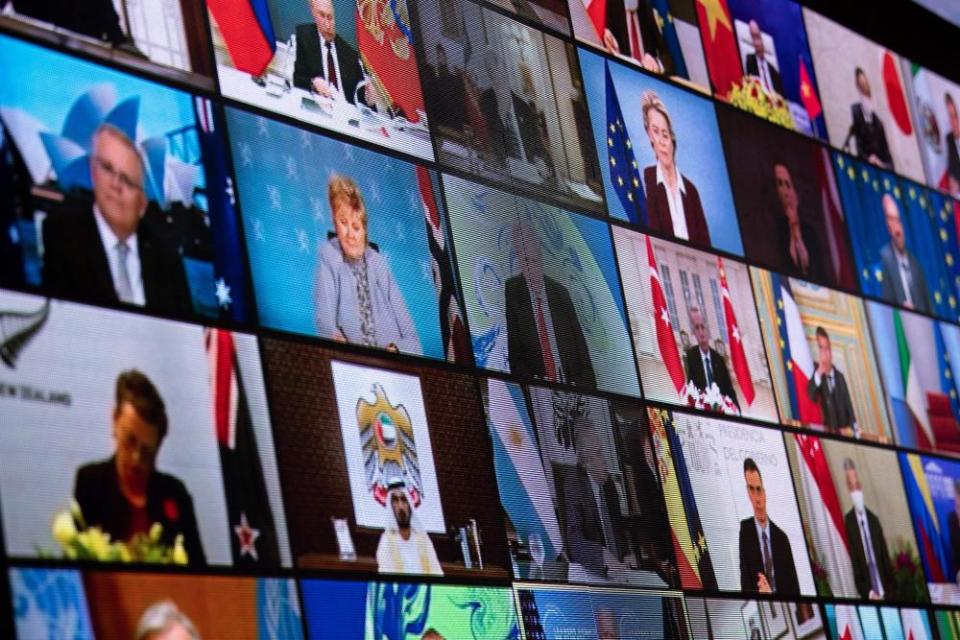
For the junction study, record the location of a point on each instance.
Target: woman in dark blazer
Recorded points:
(673, 202)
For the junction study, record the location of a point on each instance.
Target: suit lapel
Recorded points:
(101, 280)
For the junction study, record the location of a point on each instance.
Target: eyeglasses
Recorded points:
(115, 174)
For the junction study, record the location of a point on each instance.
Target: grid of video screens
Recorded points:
(463, 319)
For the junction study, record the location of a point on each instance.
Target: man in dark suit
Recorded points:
(872, 570)
(903, 280)
(593, 522)
(125, 495)
(544, 336)
(867, 128)
(633, 30)
(758, 65)
(952, 143)
(326, 63)
(766, 559)
(704, 365)
(104, 252)
(799, 248)
(829, 389)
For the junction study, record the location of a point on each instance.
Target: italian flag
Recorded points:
(912, 392)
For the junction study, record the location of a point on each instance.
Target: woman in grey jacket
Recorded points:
(357, 299)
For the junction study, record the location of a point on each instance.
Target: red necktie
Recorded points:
(636, 47)
(549, 366)
(331, 68)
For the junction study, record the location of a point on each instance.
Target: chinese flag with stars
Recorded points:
(661, 319)
(737, 354)
(719, 45)
(253, 536)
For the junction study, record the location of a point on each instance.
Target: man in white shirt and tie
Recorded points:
(704, 364)
(326, 63)
(903, 280)
(758, 66)
(872, 571)
(102, 251)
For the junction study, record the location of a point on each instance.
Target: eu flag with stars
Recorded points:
(621, 162)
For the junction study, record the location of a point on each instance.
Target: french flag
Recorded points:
(796, 353)
(247, 31)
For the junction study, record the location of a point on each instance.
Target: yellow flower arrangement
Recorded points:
(750, 96)
(80, 542)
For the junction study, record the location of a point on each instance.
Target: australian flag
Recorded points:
(253, 539)
(229, 266)
(621, 161)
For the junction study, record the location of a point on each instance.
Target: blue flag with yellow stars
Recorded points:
(621, 161)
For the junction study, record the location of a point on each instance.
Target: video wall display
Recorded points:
(463, 319)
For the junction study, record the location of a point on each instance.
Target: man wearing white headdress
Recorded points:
(404, 546)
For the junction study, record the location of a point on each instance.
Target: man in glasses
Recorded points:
(125, 495)
(104, 252)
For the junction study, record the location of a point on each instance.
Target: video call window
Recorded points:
(167, 39)
(914, 354)
(714, 619)
(933, 493)
(593, 613)
(507, 104)
(759, 61)
(821, 358)
(661, 155)
(880, 623)
(659, 35)
(788, 202)
(63, 603)
(384, 470)
(541, 290)
(346, 244)
(579, 484)
(866, 109)
(161, 452)
(856, 520)
(116, 190)
(904, 239)
(694, 327)
(934, 100)
(335, 64)
(740, 504)
(401, 610)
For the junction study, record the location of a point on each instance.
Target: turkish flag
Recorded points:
(719, 45)
(738, 356)
(661, 319)
(896, 98)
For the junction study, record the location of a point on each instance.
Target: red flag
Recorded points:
(816, 464)
(807, 93)
(737, 354)
(247, 31)
(896, 99)
(719, 45)
(386, 46)
(833, 220)
(661, 318)
(597, 10)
